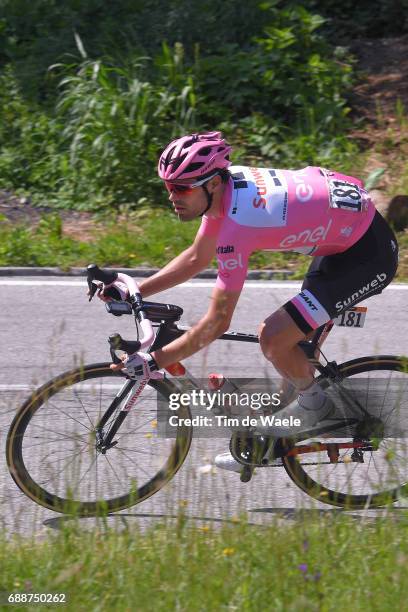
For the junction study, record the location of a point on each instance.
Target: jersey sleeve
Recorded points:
(232, 267)
(233, 246)
(231, 281)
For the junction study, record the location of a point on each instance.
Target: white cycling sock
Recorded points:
(313, 397)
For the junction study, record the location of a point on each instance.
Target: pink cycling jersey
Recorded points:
(312, 211)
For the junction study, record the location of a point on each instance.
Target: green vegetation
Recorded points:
(90, 93)
(86, 117)
(363, 19)
(141, 243)
(146, 238)
(311, 564)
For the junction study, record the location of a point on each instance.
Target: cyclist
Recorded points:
(315, 211)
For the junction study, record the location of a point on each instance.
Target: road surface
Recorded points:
(48, 326)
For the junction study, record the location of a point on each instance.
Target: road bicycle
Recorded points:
(87, 441)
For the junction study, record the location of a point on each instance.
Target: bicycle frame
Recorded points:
(169, 330)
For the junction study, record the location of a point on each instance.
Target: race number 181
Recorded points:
(353, 317)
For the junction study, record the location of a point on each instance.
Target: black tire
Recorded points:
(305, 473)
(31, 429)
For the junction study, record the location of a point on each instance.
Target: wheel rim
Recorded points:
(383, 476)
(52, 450)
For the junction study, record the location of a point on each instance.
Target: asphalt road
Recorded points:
(48, 326)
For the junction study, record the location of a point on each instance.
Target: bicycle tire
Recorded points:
(39, 494)
(322, 493)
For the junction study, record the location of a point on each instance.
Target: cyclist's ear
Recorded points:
(215, 182)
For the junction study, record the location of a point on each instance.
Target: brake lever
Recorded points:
(92, 289)
(94, 273)
(114, 357)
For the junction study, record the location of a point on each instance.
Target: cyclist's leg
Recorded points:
(343, 280)
(332, 284)
(296, 321)
(286, 388)
(279, 337)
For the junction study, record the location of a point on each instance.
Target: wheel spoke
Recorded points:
(385, 468)
(70, 416)
(55, 454)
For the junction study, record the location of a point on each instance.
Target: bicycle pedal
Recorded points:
(246, 473)
(357, 456)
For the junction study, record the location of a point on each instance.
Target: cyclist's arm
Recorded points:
(195, 258)
(214, 323)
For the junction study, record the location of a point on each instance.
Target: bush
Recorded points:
(116, 123)
(30, 157)
(280, 97)
(37, 33)
(284, 99)
(99, 146)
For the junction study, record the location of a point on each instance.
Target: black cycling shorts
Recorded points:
(336, 282)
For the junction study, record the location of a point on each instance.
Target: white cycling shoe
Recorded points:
(313, 419)
(226, 461)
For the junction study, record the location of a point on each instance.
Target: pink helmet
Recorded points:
(193, 156)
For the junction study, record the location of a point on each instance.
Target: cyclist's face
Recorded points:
(188, 202)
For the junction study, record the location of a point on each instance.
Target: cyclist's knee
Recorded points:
(278, 334)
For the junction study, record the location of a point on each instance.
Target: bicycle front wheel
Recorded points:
(370, 473)
(52, 449)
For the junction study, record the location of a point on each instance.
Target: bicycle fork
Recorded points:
(133, 392)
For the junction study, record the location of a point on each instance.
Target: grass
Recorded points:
(313, 563)
(148, 238)
(153, 236)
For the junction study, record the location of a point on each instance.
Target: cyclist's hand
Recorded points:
(91, 292)
(139, 366)
(101, 295)
(114, 291)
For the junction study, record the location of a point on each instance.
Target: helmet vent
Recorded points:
(175, 163)
(167, 160)
(189, 143)
(194, 155)
(194, 166)
(205, 151)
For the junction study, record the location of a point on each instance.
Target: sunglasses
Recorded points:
(187, 188)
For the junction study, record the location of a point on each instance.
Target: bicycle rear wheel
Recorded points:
(375, 474)
(52, 452)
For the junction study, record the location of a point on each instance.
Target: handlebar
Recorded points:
(108, 277)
